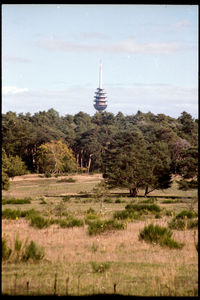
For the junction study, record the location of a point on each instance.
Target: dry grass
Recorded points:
(136, 267)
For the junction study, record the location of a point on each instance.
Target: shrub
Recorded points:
(186, 214)
(47, 174)
(100, 267)
(6, 251)
(118, 200)
(69, 222)
(192, 224)
(90, 216)
(159, 235)
(149, 201)
(182, 224)
(16, 201)
(33, 252)
(69, 180)
(90, 210)
(39, 222)
(126, 214)
(66, 198)
(169, 201)
(144, 208)
(177, 224)
(99, 226)
(11, 214)
(108, 200)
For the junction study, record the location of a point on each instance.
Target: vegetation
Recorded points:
(99, 226)
(109, 259)
(90, 236)
(135, 151)
(26, 200)
(156, 234)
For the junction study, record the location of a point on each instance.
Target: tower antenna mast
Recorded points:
(100, 75)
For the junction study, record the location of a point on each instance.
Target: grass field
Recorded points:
(115, 261)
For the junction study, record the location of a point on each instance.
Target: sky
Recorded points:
(51, 56)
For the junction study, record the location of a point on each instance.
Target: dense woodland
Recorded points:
(132, 151)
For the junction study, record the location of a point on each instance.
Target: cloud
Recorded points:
(130, 46)
(94, 35)
(157, 98)
(12, 90)
(16, 59)
(182, 24)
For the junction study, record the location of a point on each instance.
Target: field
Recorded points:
(110, 262)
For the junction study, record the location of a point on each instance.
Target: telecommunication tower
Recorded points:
(100, 99)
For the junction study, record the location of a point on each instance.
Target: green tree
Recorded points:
(129, 162)
(187, 168)
(55, 157)
(125, 162)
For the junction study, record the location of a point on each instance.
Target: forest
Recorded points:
(141, 150)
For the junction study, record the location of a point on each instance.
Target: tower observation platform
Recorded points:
(100, 102)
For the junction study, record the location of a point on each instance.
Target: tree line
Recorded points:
(141, 150)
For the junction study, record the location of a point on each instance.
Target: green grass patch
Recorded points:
(144, 208)
(126, 214)
(99, 226)
(69, 222)
(186, 214)
(156, 234)
(68, 180)
(26, 200)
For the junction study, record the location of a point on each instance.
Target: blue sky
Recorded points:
(51, 55)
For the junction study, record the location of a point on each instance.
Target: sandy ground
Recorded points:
(81, 177)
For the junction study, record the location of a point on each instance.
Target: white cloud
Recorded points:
(128, 46)
(182, 24)
(16, 59)
(12, 90)
(157, 98)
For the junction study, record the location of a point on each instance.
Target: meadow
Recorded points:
(89, 248)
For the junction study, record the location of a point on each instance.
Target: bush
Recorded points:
(90, 217)
(126, 214)
(118, 200)
(69, 222)
(159, 235)
(11, 214)
(66, 198)
(149, 201)
(90, 210)
(100, 267)
(186, 214)
(99, 226)
(6, 251)
(69, 180)
(39, 222)
(47, 174)
(108, 200)
(33, 252)
(182, 224)
(144, 208)
(170, 201)
(16, 201)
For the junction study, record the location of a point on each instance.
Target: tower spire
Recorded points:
(100, 97)
(100, 75)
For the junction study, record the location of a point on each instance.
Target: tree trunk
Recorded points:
(146, 191)
(81, 159)
(89, 162)
(133, 192)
